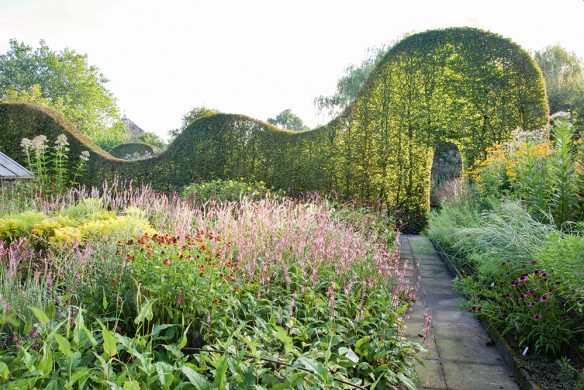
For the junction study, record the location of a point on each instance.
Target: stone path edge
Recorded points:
(521, 375)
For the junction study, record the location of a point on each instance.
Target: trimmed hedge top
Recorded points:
(461, 85)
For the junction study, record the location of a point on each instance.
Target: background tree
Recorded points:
(64, 81)
(563, 72)
(350, 83)
(289, 121)
(192, 115)
(153, 140)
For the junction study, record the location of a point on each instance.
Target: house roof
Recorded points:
(11, 170)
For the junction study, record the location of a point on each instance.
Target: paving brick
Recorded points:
(458, 329)
(458, 357)
(431, 374)
(478, 377)
(469, 349)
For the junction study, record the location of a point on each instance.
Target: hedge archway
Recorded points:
(460, 85)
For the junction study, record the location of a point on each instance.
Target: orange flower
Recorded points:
(166, 261)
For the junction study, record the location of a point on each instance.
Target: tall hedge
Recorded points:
(460, 85)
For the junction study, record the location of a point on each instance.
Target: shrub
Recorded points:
(229, 191)
(87, 221)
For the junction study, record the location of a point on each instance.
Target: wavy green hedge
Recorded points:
(461, 85)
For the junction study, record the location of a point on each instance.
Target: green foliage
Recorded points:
(152, 140)
(134, 151)
(546, 176)
(564, 201)
(53, 173)
(462, 85)
(191, 116)
(562, 257)
(520, 274)
(209, 310)
(349, 85)
(87, 221)
(94, 355)
(288, 120)
(229, 191)
(63, 81)
(563, 72)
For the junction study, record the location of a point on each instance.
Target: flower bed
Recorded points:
(268, 293)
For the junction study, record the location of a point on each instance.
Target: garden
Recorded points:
(129, 288)
(242, 255)
(516, 237)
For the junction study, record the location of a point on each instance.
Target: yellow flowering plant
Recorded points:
(543, 174)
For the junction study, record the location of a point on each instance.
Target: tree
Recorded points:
(289, 121)
(192, 115)
(152, 140)
(66, 82)
(350, 83)
(563, 72)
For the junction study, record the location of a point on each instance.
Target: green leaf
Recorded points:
(45, 365)
(195, 378)
(28, 360)
(109, 342)
(40, 315)
(406, 381)
(79, 327)
(64, 345)
(164, 371)
(220, 373)
(104, 300)
(316, 368)
(145, 313)
(362, 346)
(183, 340)
(78, 375)
(4, 371)
(131, 385)
(281, 335)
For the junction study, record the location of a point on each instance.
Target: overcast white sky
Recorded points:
(256, 57)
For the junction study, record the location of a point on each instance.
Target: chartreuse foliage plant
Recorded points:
(86, 221)
(269, 293)
(461, 85)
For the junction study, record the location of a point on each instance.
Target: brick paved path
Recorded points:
(459, 357)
